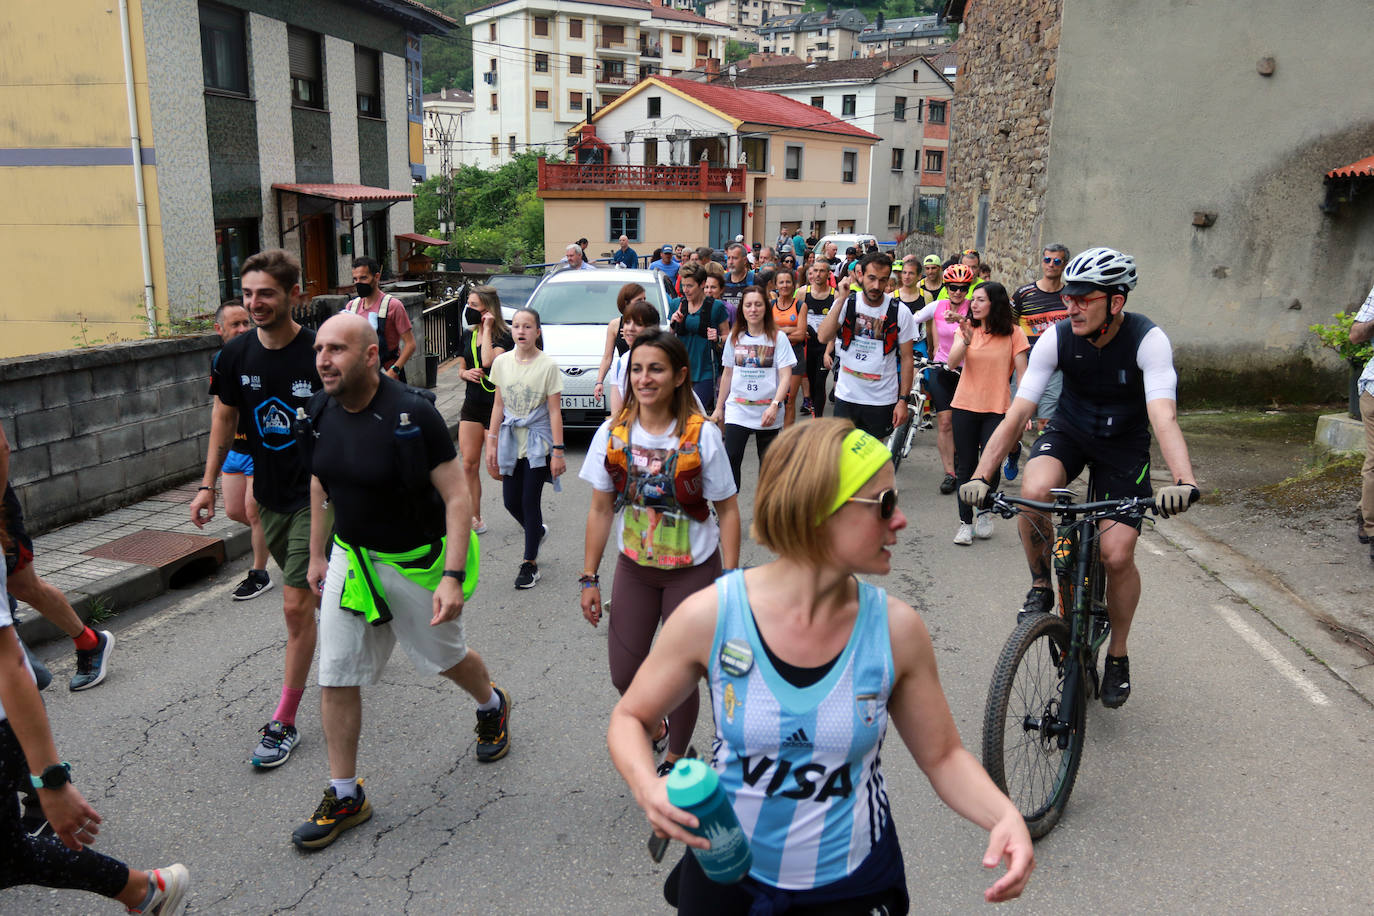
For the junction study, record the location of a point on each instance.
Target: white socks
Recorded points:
(345, 788)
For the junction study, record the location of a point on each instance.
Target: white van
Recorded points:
(846, 241)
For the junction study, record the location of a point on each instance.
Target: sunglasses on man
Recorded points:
(1055, 261)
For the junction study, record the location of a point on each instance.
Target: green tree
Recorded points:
(737, 50)
(447, 61)
(500, 215)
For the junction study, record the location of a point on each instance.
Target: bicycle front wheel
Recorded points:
(896, 443)
(1032, 731)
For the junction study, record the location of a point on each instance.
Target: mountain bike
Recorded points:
(918, 416)
(1034, 720)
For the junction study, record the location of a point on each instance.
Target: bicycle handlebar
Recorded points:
(1007, 506)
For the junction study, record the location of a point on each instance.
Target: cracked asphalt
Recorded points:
(1224, 785)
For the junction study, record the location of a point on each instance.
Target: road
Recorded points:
(1237, 778)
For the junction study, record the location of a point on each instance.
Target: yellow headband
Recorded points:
(861, 456)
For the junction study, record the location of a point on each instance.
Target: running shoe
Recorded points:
(254, 584)
(278, 739)
(545, 536)
(948, 484)
(479, 526)
(964, 536)
(806, 407)
(661, 744)
(1039, 600)
(665, 768)
(93, 664)
(528, 575)
(1012, 466)
(1116, 681)
(493, 738)
(927, 422)
(331, 818)
(170, 885)
(982, 525)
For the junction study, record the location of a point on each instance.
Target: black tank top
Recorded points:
(1104, 390)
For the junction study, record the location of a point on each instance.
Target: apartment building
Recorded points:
(815, 37)
(926, 34)
(903, 100)
(746, 16)
(540, 67)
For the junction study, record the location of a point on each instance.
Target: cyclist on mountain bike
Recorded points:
(1119, 381)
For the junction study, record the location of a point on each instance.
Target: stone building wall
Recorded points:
(1007, 54)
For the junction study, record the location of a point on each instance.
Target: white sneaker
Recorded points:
(982, 525)
(964, 536)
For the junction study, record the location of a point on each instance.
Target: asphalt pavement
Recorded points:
(1236, 779)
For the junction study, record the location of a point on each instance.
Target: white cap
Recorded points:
(739, 238)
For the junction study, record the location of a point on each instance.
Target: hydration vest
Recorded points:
(688, 487)
(385, 355)
(1104, 390)
(890, 328)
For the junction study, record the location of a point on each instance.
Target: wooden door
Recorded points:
(316, 244)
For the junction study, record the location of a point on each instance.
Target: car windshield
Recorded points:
(514, 289)
(590, 301)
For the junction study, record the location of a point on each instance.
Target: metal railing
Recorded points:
(444, 328)
(702, 178)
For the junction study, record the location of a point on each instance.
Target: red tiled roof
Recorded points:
(762, 107)
(1362, 169)
(654, 10)
(348, 193)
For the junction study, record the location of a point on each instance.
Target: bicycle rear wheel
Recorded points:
(1025, 721)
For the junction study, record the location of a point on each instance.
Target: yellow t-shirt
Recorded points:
(524, 386)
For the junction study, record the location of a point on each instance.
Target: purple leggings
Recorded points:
(641, 597)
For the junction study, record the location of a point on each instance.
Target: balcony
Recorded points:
(701, 181)
(616, 44)
(647, 49)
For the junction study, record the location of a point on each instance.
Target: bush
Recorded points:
(1336, 335)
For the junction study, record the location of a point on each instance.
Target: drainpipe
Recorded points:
(136, 148)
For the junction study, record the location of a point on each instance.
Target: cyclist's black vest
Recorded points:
(1104, 390)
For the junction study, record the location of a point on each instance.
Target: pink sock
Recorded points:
(286, 709)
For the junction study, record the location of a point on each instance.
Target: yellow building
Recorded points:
(674, 160)
(222, 101)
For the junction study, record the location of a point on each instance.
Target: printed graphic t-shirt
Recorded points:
(755, 361)
(524, 386)
(867, 374)
(651, 528)
(1036, 310)
(268, 386)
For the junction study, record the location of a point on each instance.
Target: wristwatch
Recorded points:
(54, 777)
(458, 574)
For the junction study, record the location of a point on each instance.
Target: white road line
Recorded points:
(1272, 656)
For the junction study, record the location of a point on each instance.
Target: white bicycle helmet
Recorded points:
(1097, 268)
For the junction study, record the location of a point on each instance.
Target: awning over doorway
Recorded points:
(346, 193)
(1344, 184)
(419, 239)
(1364, 168)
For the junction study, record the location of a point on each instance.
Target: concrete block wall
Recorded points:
(98, 428)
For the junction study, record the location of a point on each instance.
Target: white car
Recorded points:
(845, 241)
(574, 308)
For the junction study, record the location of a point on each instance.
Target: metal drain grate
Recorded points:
(160, 548)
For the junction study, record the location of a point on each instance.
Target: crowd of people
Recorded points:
(356, 490)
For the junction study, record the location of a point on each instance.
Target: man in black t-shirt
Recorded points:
(383, 458)
(1038, 306)
(268, 374)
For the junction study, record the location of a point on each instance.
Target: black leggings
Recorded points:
(971, 432)
(737, 437)
(521, 490)
(44, 860)
(816, 371)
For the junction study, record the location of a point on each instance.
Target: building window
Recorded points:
(541, 100)
(493, 102)
(496, 146)
(677, 44)
(655, 107)
(935, 160)
(844, 225)
(937, 112)
(574, 28)
(303, 53)
(234, 241)
(897, 156)
(614, 69)
(575, 64)
(612, 35)
(850, 167)
(703, 47)
(930, 214)
(894, 215)
(626, 221)
(818, 101)
(541, 26)
(899, 108)
(792, 163)
(510, 144)
(541, 63)
(491, 31)
(575, 101)
(755, 153)
(223, 49)
(367, 77)
(847, 106)
(920, 109)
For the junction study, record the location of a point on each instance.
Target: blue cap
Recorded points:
(666, 248)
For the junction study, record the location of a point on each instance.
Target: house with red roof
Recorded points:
(541, 66)
(673, 160)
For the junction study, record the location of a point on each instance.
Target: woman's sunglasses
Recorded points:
(886, 501)
(957, 287)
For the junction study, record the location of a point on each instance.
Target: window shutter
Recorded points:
(303, 53)
(365, 72)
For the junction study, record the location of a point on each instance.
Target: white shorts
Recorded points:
(353, 652)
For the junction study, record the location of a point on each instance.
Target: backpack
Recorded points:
(688, 488)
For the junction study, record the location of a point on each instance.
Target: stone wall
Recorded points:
(1004, 93)
(95, 429)
(919, 244)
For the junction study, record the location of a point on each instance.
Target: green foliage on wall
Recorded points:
(499, 213)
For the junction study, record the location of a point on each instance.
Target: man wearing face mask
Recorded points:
(387, 316)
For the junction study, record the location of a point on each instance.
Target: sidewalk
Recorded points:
(94, 583)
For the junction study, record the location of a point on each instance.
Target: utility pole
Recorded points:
(446, 127)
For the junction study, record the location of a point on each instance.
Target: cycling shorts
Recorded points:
(1120, 466)
(237, 463)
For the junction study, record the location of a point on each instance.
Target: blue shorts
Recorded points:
(237, 463)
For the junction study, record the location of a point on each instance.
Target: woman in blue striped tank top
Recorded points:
(806, 665)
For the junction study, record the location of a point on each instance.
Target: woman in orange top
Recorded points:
(789, 314)
(990, 346)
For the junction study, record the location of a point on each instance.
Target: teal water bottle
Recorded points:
(695, 788)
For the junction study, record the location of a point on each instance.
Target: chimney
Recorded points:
(712, 68)
(879, 25)
(443, 93)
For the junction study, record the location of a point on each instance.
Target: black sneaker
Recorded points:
(254, 584)
(1116, 681)
(666, 767)
(493, 738)
(528, 575)
(1038, 601)
(948, 484)
(331, 818)
(93, 664)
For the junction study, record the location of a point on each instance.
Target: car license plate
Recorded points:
(574, 402)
